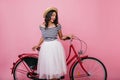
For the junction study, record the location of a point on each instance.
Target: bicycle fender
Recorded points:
(14, 64)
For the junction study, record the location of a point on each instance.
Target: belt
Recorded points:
(50, 38)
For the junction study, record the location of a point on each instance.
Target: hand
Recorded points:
(71, 36)
(36, 48)
(68, 37)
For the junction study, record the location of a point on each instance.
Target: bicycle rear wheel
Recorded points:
(93, 66)
(23, 67)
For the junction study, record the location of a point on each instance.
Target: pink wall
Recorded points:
(95, 21)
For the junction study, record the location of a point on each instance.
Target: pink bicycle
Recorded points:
(82, 68)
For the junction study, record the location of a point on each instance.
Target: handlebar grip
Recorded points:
(67, 38)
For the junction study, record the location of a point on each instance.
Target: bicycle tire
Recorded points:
(20, 66)
(92, 69)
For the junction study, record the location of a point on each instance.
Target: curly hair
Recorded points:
(48, 18)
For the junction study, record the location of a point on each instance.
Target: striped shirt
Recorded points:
(50, 34)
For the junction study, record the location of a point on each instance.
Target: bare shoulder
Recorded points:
(43, 25)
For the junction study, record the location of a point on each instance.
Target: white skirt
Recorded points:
(51, 60)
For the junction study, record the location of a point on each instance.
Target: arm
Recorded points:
(37, 46)
(63, 37)
(41, 41)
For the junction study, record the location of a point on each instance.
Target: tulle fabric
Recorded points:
(51, 61)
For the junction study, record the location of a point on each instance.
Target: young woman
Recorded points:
(51, 60)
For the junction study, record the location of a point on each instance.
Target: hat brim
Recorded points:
(49, 9)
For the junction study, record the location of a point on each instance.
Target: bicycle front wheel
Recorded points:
(93, 66)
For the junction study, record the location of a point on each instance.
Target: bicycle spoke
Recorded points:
(82, 77)
(26, 66)
(21, 71)
(79, 76)
(95, 66)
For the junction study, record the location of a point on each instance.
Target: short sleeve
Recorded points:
(42, 30)
(58, 27)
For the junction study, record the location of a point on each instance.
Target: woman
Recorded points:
(51, 60)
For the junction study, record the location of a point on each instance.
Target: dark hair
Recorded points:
(48, 18)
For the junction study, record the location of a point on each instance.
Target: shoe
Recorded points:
(62, 77)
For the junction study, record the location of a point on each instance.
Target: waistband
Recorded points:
(50, 38)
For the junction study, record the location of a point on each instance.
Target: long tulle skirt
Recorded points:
(51, 61)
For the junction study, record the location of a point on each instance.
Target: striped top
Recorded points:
(50, 34)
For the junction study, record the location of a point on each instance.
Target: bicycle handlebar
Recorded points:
(81, 43)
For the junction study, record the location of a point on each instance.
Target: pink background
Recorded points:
(94, 21)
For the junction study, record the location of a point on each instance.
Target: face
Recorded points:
(53, 16)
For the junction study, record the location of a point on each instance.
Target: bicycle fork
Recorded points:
(80, 62)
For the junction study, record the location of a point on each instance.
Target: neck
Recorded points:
(50, 22)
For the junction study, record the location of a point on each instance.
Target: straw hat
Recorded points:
(49, 9)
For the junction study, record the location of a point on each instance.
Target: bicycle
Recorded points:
(82, 68)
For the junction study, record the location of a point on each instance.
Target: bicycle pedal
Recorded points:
(36, 79)
(34, 74)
